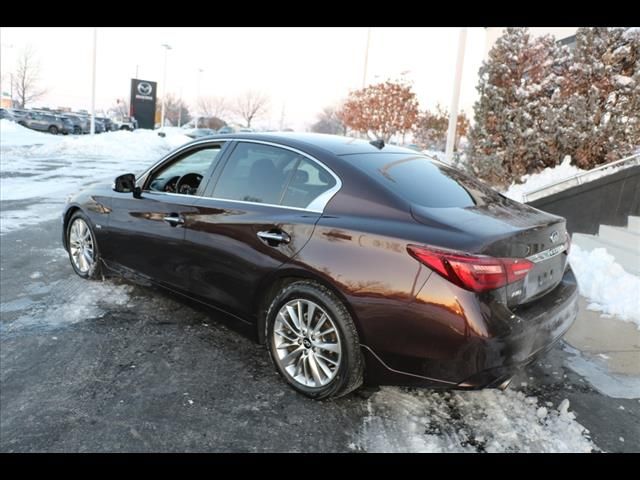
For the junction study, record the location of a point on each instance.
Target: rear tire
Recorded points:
(319, 356)
(53, 130)
(83, 247)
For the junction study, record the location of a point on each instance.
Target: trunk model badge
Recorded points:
(554, 236)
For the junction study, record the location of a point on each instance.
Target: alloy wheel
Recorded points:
(81, 246)
(307, 343)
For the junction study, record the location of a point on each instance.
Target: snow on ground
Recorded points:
(549, 176)
(38, 170)
(604, 282)
(403, 420)
(78, 301)
(12, 134)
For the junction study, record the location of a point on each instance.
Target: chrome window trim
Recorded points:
(153, 192)
(317, 205)
(547, 254)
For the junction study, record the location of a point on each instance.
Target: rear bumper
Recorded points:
(476, 343)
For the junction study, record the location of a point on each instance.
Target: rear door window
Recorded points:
(271, 175)
(256, 173)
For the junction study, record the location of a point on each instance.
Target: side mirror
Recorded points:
(127, 184)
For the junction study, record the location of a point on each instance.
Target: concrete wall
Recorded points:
(608, 201)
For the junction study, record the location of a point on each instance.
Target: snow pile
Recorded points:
(549, 176)
(139, 144)
(12, 134)
(40, 170)
(401, 420)
(92, 300)
(603, 281)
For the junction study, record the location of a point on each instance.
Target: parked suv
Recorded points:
(108, 124)
(46, 122)
(81, 124)
(4, 113)
(126, 123)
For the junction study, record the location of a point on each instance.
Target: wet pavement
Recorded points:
(118, 366)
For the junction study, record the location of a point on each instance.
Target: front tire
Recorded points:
(83, 247)
(53, 130)
(313, 342)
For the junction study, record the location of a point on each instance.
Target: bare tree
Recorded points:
(213, 107)
(329, 121)
(250, 105)
(26, 77)
(386, 108)
(176, 110)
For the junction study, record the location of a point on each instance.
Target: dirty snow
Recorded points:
(88, 301)
(610, 289)
(404, 420)
(38, 171)
(549, 176)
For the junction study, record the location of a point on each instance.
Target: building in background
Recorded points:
(5, 100)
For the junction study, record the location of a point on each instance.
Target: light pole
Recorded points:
(453, 114)
(366, 59)
(93, 84)
(180, 109)
(164, 83)
(198, 95)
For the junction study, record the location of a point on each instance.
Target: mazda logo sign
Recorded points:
(145, 88)
(554, 236)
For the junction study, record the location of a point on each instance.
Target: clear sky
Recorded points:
(301, 69)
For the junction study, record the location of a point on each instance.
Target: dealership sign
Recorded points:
(143, 102)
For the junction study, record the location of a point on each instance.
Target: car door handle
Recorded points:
(174, 220)
(275, 237)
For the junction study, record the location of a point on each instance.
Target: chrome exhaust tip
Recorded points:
(504, 385)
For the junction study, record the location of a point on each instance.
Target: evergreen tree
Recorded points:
(601, 96)
(516, 129)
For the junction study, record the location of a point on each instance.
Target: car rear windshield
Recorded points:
(423, 181)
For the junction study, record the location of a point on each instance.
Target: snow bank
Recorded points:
(40, 170)
(605, 283)
(12, 134)
(550, 176)
(401, 420)
(139, 144)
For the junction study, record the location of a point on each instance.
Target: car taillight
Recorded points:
(478, 273)
(567, 242)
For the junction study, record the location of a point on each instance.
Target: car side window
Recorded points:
(184, 175)
(308, 182)
(256, 173)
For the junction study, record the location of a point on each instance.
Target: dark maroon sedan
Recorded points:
(355, 261)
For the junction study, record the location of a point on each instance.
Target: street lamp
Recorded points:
(198, 95)
(164, 83)
(93, 84)
(453, 113)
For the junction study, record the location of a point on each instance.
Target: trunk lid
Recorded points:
(508, 229)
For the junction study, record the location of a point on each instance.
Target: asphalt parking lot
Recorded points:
(120, 366)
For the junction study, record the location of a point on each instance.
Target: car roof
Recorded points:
(335, 144)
